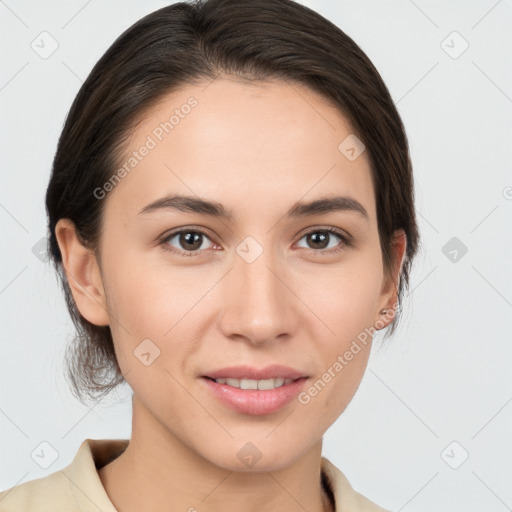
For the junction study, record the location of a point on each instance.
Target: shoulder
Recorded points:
(75, 488)
(51, 492)
(346, 498)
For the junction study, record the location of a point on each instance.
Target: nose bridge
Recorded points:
(258, 305)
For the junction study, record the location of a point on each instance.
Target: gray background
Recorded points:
(440, 390)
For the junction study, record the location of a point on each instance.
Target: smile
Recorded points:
(262, 384)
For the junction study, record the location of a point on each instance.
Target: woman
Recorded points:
(231, 212)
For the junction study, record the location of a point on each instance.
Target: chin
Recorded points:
(255, 457)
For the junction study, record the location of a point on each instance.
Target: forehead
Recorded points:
(251, 144)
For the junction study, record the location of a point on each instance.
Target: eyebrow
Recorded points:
(191, 204)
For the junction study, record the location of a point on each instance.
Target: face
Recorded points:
(189, 292)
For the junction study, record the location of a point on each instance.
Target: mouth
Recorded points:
(254, 391)
(261, 384)
(274, 372)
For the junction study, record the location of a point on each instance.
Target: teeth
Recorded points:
(255, 384)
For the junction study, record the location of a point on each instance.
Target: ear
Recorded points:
(389, 292)
(83, 274)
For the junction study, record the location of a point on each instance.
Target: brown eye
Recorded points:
(188, 241)
(324, 240)
(319, 239)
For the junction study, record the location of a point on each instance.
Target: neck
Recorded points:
(176, 478)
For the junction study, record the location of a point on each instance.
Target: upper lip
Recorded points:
(248, 372)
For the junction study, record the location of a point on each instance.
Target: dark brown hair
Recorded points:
(181, 44)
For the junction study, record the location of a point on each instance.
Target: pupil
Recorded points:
(190, 238)
(322, 238)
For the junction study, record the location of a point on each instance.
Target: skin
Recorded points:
(257, 149)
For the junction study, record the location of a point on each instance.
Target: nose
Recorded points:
(258, 304)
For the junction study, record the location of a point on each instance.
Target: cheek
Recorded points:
(161, 303)
(334, 387)
(151, 309)
(344, 296)
(344, 299)
(149, 297)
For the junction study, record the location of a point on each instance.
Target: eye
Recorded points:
(190, 241)
(320, 239)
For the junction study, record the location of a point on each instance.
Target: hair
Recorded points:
(188, 42)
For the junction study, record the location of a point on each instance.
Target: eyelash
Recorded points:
(346, 241)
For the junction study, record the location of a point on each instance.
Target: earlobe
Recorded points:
(83, 274)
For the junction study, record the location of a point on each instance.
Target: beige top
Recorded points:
(78, 488)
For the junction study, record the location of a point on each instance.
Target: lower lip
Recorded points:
(255, 401)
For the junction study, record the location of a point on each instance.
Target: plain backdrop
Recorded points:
(429, 427)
